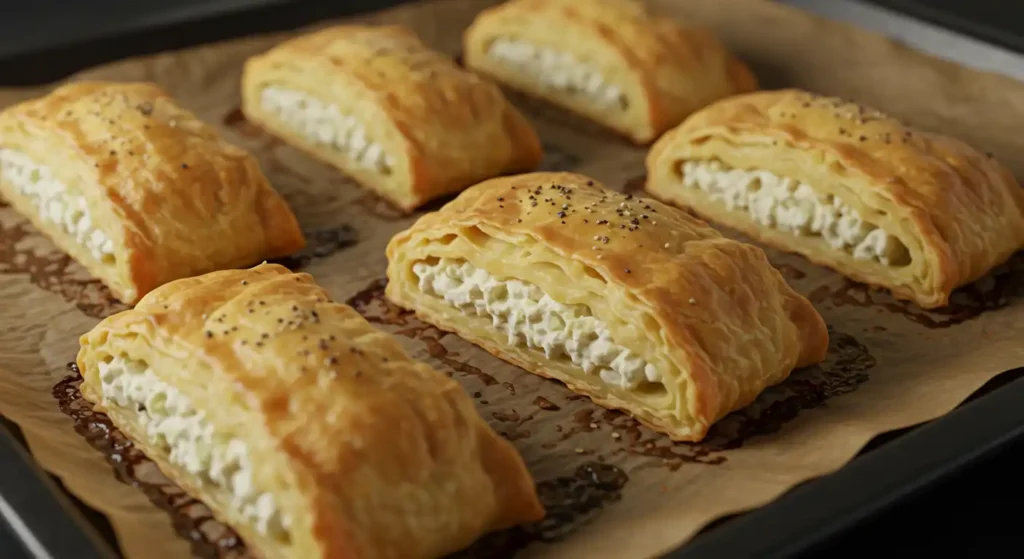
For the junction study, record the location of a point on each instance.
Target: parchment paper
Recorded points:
(891, 364)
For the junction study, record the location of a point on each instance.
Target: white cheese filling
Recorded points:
(557, 70)
(55, 202)
(327, 125)
(530, 318)
(173, 424)
(788, 205)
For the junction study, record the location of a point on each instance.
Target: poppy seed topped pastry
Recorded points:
(626, 300)
(377, 103)
(611, 61)
(847, 187)
(305, 429)
(137, 189)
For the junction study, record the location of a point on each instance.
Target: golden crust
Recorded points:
(666, 70)
(959, 212)
(175, 198)
(445, 127)
(372, 453)
(716, 318)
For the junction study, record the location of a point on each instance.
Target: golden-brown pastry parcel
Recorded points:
(611, 61)
(847, 187)
(137, 189)
(377, 103)
(626, 300)
(301, 426)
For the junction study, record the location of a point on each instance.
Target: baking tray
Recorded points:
(42, 520)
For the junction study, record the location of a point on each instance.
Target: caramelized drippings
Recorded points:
(1004, 285)
(192, 520)
(570, 502)
(24, 250)
(843, 370)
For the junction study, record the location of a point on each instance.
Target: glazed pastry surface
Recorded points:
(305, 429)
(398, 117)
(137, 189)
(846, 186)
(626, 300)
(611, 61)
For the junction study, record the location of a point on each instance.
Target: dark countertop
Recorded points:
(971, 514)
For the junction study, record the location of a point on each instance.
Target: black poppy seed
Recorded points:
(332, 360)
(519, 220)
(602, 221)
(322, 344)
(586, 221)
(863, 138)
(628, 272)
(560, 214)
(314, 314)
(258, 344)
(184, 165)
(590, 183)
(245, 282)
(501, 198)
(251, 311)
(501, 206)
(261, 303)
(280, 321)
(563, 222)
(264, 335)
(209, 334)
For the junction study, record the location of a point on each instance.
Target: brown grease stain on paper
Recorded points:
(569, 501)
(26, 251)
(845, 367)
(320, 243)
(192, 519)
(998, 289)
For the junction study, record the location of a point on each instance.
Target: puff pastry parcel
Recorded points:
(847, 187)
(137, 189)
(611, 61)
(626, 300)
(377, 103)
(299, 424)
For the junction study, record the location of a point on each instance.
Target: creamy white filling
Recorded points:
(327, 125)
(530, 318)
(55, 202)
(557, 70)
(173, 424)
(788, 205)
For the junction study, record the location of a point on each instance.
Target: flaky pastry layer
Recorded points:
(956, 212)
(611, 61)
(377, 103)
(559, 275)
(137, 189)
(301, 426)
